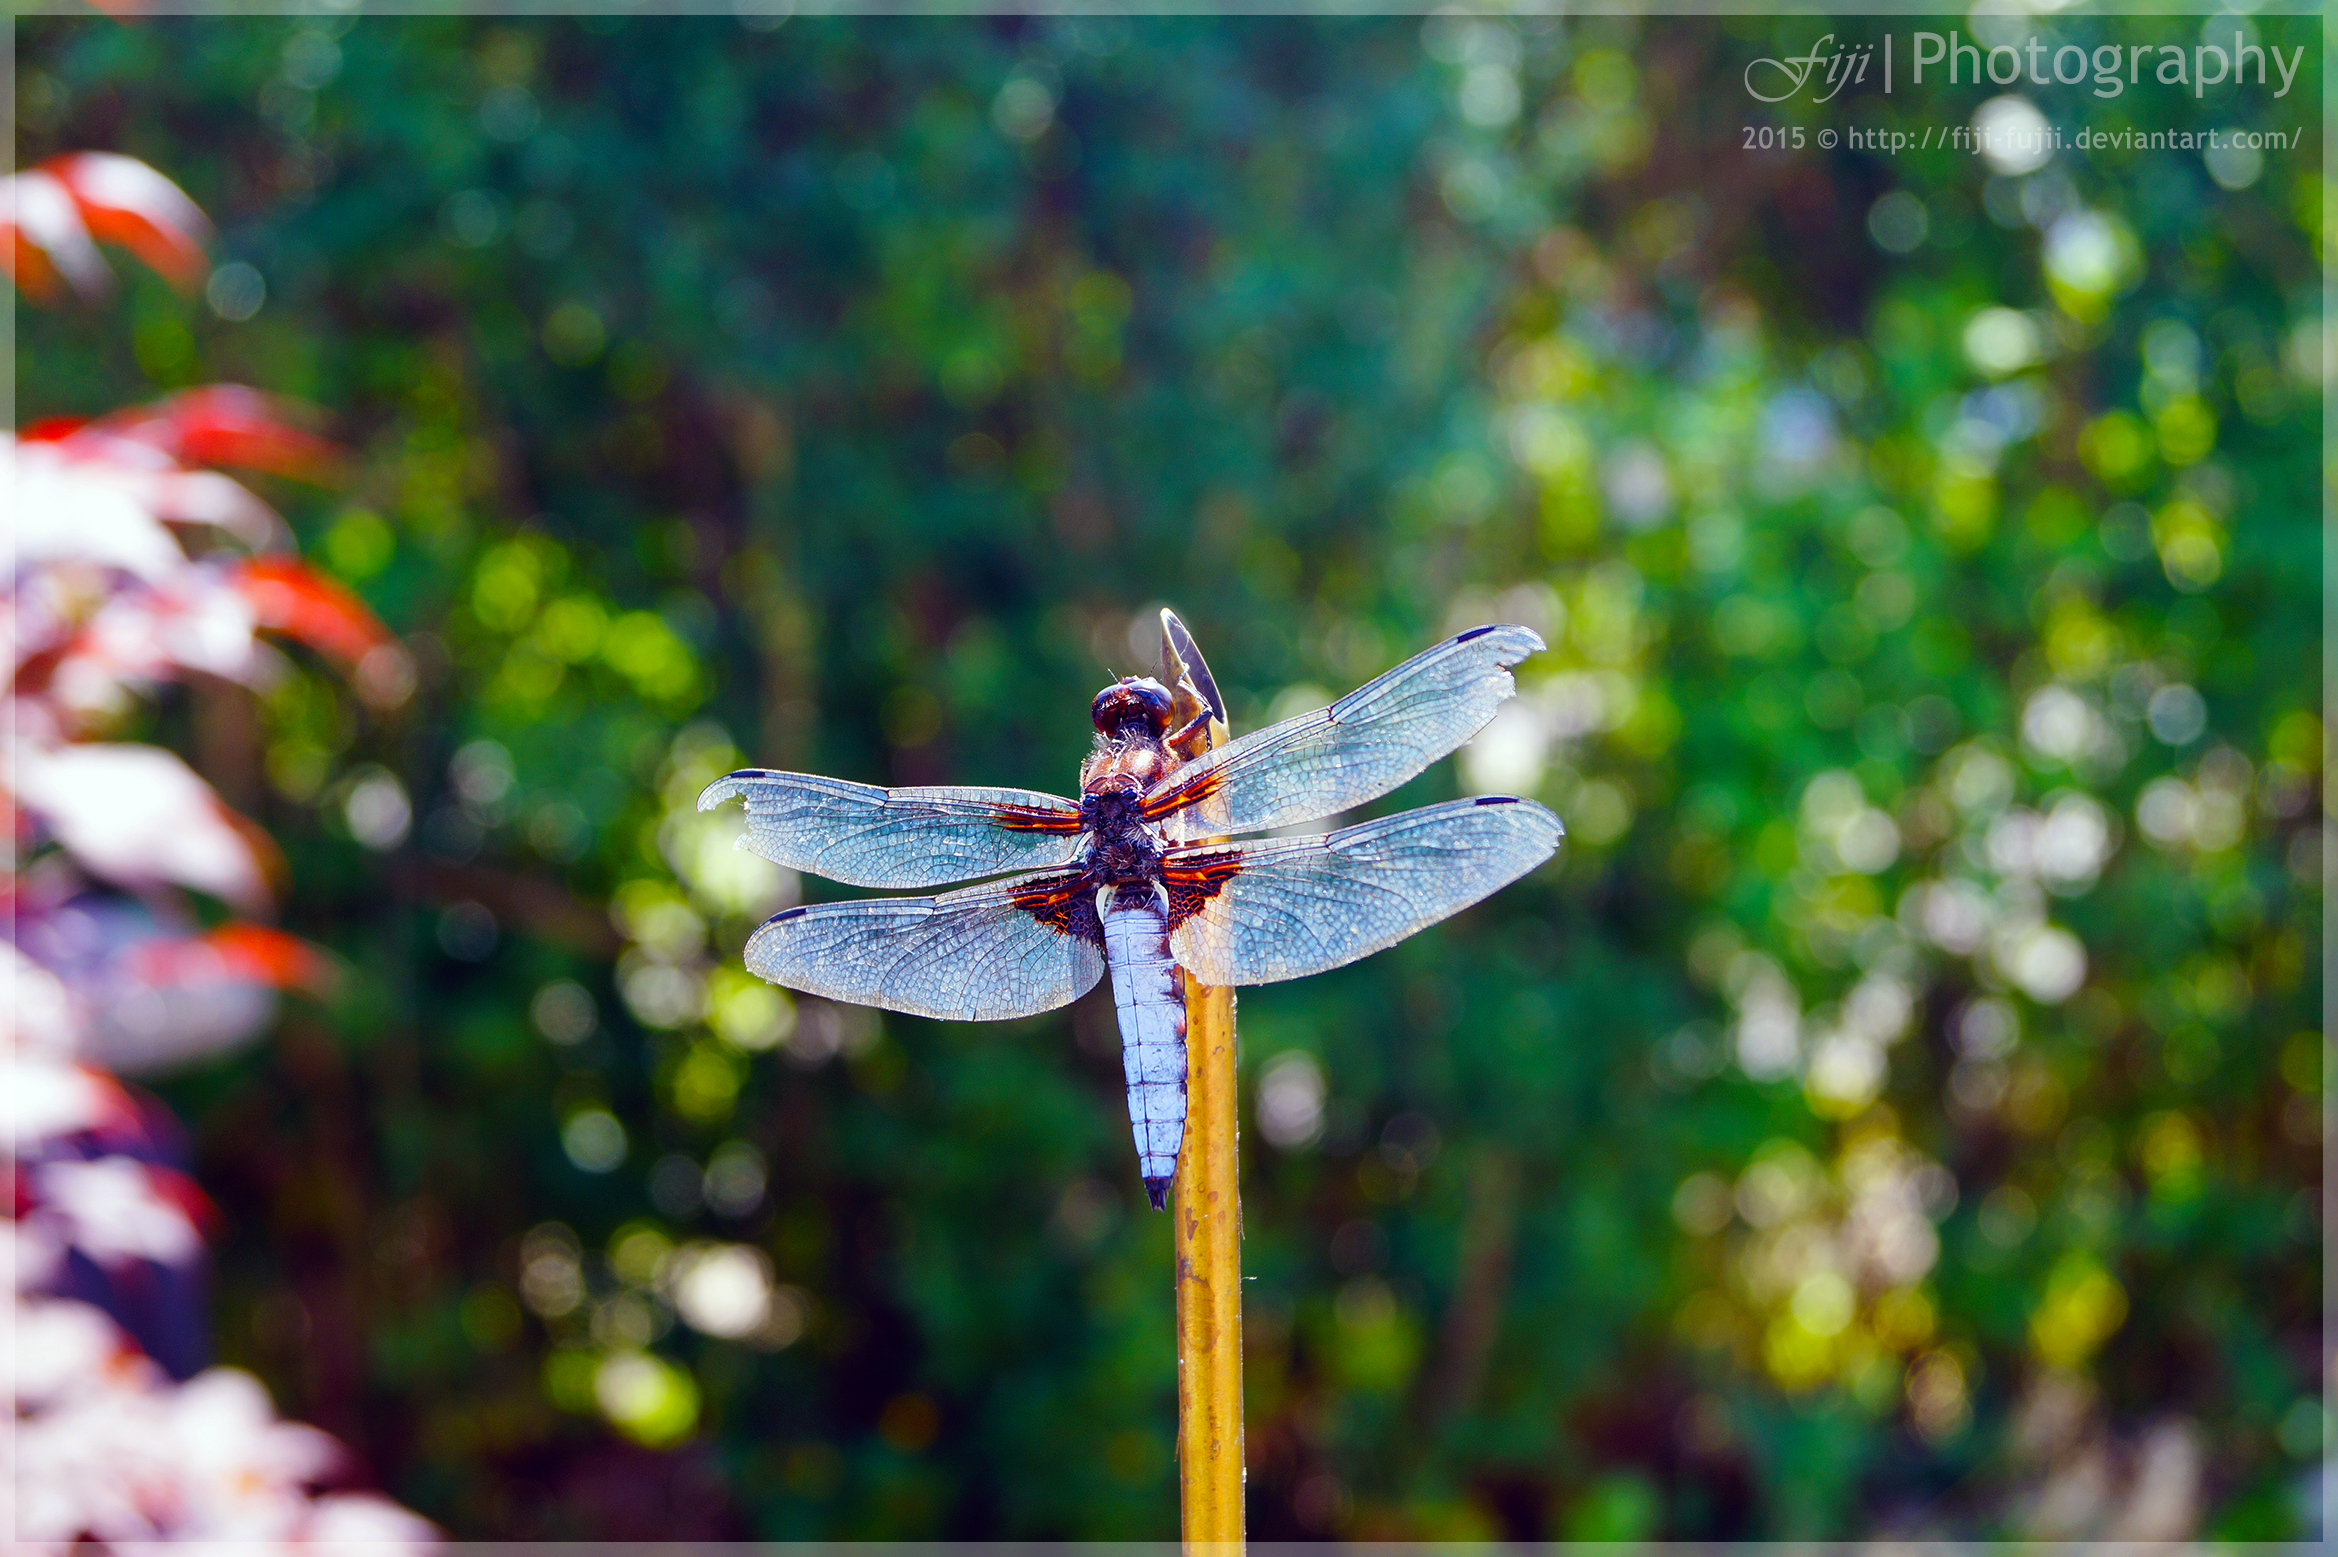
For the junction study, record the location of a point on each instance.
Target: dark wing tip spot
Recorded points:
(785, 914)
(732, 785)
(1497, 800)
(1474, 632)
(1157, 1191)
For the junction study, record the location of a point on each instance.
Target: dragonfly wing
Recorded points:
(1358, 749)
(1282, 908)
(1003, 949)
(864, 836)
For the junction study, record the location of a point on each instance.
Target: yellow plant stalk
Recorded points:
(1209, 1281)
(1208, 1215)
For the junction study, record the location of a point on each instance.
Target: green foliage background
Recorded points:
(833, 396)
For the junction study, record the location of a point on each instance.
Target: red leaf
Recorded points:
(225, 424)
(28, 263)
(175, 1189)
(51, 429)
(273, 956)
(124, 201)
(47, 238)
(252, 953)
(289, 596)
(139, 815)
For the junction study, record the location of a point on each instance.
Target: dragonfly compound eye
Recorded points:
(1132, 700)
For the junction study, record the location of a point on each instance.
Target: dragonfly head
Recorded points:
(1138, 701)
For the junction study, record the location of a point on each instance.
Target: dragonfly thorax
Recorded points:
(1132, 763)
(1122, 850)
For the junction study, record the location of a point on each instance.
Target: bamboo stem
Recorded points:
(1208, 1215)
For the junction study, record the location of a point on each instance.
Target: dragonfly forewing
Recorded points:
(864, 836)
(1358, 749)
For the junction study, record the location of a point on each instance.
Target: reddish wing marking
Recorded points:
(1193, 879)
(1187, 792)
(1030, 819)
(1065, 904)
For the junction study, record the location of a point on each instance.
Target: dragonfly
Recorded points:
(1145, 875)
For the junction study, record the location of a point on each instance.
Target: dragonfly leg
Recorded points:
(1190, 739)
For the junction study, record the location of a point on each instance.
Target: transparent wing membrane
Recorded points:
(864, 836)
(1257, 913)
(1005, 949)
(1358, 749)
